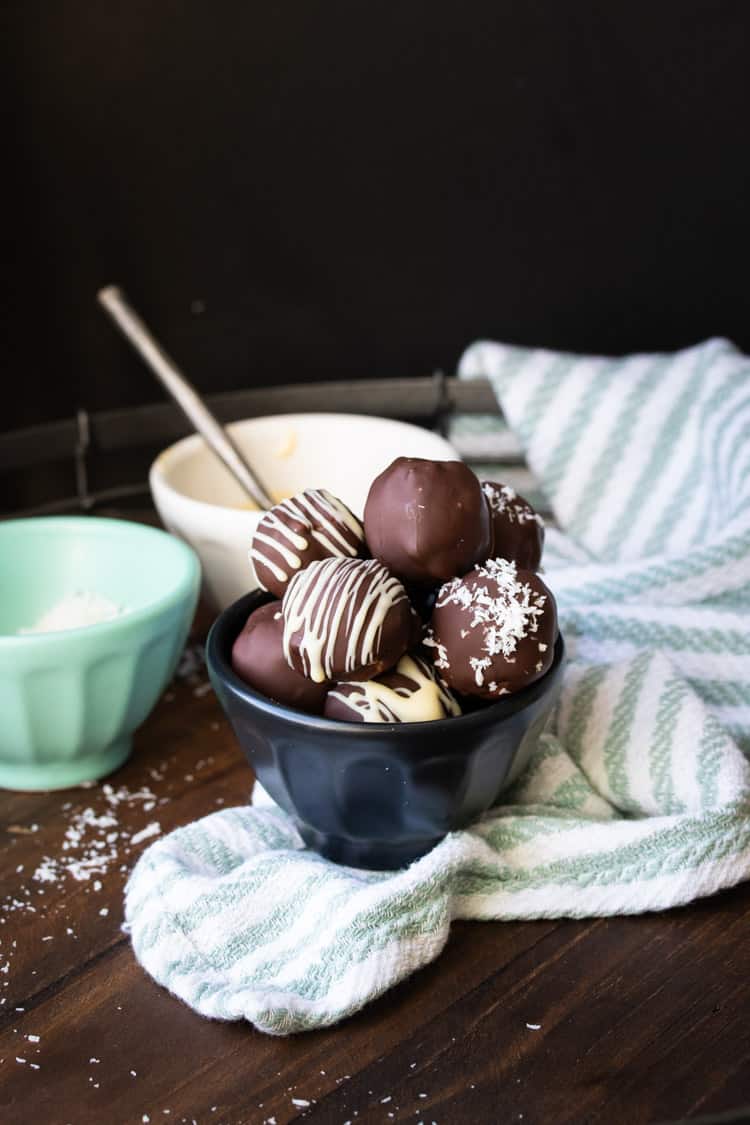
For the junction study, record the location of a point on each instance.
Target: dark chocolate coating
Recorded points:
(258, 659)
(516, 531)
(302, 529)
(427, 520)
(346, 619)
(409, 692)
(493, 631)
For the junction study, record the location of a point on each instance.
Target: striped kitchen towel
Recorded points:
(637, 796)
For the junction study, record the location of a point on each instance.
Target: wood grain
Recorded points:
(639, 1019)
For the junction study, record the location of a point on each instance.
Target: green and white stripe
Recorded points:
(637, 797)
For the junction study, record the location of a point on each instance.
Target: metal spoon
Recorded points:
(116, 304)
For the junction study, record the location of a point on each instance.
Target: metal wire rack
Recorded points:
(99, 460)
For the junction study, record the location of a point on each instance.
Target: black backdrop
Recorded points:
(300, 191)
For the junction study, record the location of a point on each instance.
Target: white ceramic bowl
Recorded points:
(199, 500)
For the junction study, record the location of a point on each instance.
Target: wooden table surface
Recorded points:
(623, 1020)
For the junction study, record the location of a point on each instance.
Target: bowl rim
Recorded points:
(188, 579)
(229, 623)
(158, 475)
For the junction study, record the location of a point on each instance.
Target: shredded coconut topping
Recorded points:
(440, 659)
(505, 616)
(504, 500)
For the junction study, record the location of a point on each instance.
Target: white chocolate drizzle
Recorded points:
(423, 699)
(334, 598)
(284, 533)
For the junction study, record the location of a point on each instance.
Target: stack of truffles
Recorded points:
(430, 608)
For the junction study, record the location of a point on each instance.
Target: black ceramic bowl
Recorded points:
(377, 795)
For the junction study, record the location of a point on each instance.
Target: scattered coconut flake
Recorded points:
(33, 1038)
(192, 662)
(533, 1026)
(152, 829)
(89, 845)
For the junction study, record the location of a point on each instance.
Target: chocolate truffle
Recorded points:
(517, 532)
(408, 693)
(258, 659)
(427, 520)
(302, 529)
(494, 630)
(345, 619)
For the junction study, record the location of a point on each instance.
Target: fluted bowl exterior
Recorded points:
(377, 795)
(71, 700)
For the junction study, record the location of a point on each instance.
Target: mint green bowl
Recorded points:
(71, 700)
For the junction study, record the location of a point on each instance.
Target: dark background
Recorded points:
(309, 191)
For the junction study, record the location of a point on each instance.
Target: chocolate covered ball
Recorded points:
(494, 630)
(427, 520)
(258, 659)
(408, 693)
(345, 619)
(517, 532)
(302, 529)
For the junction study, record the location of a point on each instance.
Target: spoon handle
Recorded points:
(116, 304)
